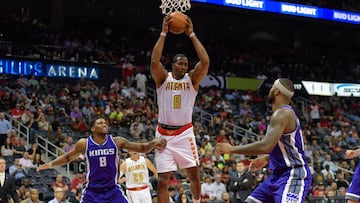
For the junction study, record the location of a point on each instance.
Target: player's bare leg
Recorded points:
(162, 191)
(193, 174)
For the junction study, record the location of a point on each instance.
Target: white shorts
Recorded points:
(181, 151)
(139, 196)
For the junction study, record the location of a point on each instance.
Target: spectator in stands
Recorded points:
(5, 128)
(7, 149)
(332, 166)
(222, 136)
(60, 183)
(17, 171)
(79, 125)
(26, 161)
(171, 194)
(141, 81)
(75, 113)
(69, 144)
(340, 180)
(327, 171)
(33, 197)
(206, 186)
(217, 188)
(17, 112)
(205, 198)
(19, 147)
(37, 160)
(34, 150)
(183, 198)
(27, 118)
(59, 195)
(34, 83)
(77, 182)
(43, 124)
(241, 184)
(24, 191)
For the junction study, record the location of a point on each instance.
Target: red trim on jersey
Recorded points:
(138, 188)
(167, 132)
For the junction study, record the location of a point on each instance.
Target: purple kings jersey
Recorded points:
(102, 163)
(289, 151)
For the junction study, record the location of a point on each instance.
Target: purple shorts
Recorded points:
(114, 195)
(290, 185)
(353, 192)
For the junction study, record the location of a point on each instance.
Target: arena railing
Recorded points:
(20, 128)
(50, 150)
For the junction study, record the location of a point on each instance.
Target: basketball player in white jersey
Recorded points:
(136, 169)
(176, 94)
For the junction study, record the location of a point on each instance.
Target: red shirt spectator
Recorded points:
(17, 112)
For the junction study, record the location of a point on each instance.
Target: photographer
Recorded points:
(240, 185)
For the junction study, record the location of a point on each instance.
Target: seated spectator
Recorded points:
(19, 147)
(24, 190)
(59, 195)
(43, 124)
(27, 118)
(69, 144)
(59, 183)
(183, 198)
(205, 198)
(79, 125)
(34, 197)
(26, 161)
(37, 161)
(18, 171)
(75, 113)
(77, 182)
(7, 149)
(34, 150)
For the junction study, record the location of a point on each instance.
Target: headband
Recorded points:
(283, 89)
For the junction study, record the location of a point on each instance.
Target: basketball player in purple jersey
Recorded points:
(176, 93)
(102, 156)
(290, 179)
(353, 193)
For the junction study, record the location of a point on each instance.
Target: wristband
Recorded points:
(192, 35)
(163, 34)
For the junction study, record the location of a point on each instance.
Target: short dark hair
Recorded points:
(287, 83)
(175, 58)
(93, 120)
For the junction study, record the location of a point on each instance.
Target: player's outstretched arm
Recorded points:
(122, 171)
(278, 122)
(158, 72)
(151, 167)
(66, 158)
(140, 147)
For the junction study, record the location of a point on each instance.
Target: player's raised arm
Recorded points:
(66, 158)
(202, 67)
(158, 72)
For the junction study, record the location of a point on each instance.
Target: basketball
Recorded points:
(177, 22)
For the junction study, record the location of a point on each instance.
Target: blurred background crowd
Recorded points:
(59, 109)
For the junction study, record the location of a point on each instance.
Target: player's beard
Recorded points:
(271, 98)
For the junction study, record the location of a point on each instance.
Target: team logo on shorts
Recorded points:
(292, 198)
